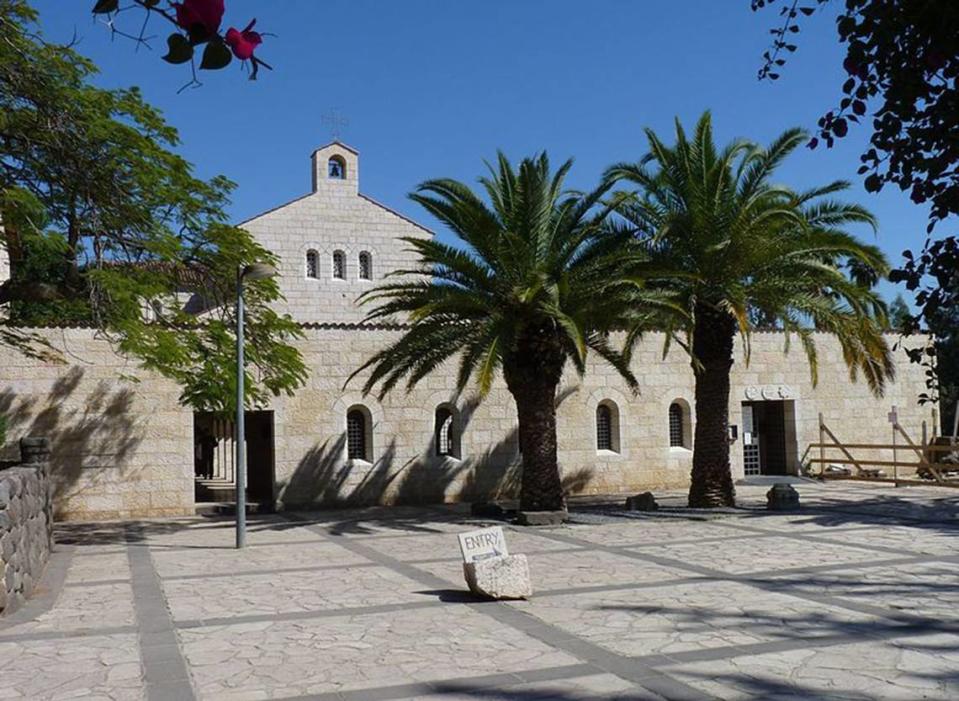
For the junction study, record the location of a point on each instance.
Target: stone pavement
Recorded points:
(854, 597)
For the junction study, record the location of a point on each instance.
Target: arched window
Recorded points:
(339, 265)
(677, 426)
(357, 434)
(366, 266)
(604, 427)
(336, 168)
(445, 433)
(312, 264)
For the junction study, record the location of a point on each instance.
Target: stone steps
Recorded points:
(213, 490)
(228, 508)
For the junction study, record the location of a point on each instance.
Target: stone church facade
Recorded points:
(125, 448)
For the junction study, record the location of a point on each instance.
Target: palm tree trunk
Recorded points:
(711, 482)
(541, 489)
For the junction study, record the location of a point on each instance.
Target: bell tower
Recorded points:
(336, 169)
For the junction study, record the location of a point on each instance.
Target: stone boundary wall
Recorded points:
(26, 524)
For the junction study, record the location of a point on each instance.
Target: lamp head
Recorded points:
(257, 271)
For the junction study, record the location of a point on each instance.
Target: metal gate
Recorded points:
(751, 455)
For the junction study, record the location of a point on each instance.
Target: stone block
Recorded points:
(542, 518)
(782, 497)
(499, 577)
(642, 502)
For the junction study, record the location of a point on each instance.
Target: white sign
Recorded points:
(893, 416)
(483, 544)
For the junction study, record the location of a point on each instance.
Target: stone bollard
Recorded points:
(499, 577)
(782, 497)
(642, 502)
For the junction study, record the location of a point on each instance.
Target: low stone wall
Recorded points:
(26, 524)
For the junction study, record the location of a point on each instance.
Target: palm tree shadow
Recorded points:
(753, 686)
(936, 514)
(324, 479)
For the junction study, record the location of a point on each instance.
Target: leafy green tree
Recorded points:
(902, 59)
(107, 226)
(899, 314)
(538, 286)
(737, 244)
(933, 277)
(902, 70)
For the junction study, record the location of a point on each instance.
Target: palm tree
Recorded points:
(537, 283)
(742, 249)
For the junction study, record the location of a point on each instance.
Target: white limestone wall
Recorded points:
(124, 448)
(311, 464)
(334, 216)
(849, 409)
(121, 445)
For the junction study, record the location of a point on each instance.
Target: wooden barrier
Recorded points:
(869, 468)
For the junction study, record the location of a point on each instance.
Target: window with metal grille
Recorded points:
(677, 428)
(312, 264)
(366, 266)
(445, 436)
(356, 435)
(339, 265)
(604, 428)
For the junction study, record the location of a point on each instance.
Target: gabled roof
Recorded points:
(397, 214)
(273, 209)
(337, 142)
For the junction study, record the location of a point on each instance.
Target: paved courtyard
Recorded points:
(855, 597)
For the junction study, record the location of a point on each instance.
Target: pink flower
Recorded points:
(243, 43)
(201, 18)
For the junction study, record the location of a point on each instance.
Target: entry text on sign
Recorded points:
(483, 544)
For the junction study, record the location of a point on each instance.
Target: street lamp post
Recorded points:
(256, 271)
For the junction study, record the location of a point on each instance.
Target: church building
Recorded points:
(125, 448)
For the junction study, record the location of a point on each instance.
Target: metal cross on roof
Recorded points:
(335, 122)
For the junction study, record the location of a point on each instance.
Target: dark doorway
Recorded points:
(766, 437)
(259, 456)
(215, 457)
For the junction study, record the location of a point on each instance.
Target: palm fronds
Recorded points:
(736, 240)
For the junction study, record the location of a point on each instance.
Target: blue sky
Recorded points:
(431, 88)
